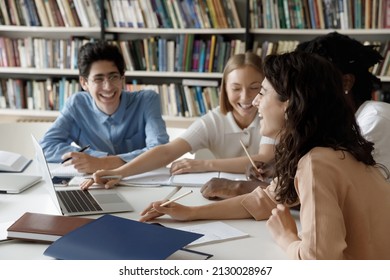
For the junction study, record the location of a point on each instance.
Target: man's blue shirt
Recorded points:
(135, 127)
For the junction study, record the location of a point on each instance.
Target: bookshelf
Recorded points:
(252, 31)
(108, 29)
(179, 35)
(279, 29)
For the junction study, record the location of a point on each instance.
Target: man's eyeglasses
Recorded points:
(101, 80)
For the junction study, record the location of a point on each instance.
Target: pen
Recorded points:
(80, 151)
(170, 201)
(247, 154)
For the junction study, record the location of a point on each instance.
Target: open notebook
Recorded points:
(65, 171)
(161, 177)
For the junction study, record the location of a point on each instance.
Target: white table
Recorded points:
(259, 244)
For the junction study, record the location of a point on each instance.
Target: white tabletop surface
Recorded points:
(258, 245)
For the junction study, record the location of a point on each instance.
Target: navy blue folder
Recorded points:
(113, 238)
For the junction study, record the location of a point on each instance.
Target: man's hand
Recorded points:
(264, 171)
(220, 188)
(85, 163)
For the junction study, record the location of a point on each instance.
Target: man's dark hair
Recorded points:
(96, 51)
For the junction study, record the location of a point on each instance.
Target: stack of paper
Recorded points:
(65, 171)
(214, 232)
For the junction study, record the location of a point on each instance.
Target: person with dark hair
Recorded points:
(321, 161)
(117, 125)
(354, 60)
(220, 130)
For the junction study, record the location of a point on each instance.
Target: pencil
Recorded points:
(176, 198)
(80, 151)
(170, 201)
(173, 192)
(247, 154)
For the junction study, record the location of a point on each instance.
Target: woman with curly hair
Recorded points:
(321, 161)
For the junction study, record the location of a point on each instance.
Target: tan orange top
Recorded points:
(344, 208)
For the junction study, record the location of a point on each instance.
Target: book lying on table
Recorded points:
(43, 227)
(13, 162)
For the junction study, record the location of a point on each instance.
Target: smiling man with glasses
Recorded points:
(118, 125)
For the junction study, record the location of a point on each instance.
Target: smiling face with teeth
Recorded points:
(242, 86)
(271, 110)
(107, 94)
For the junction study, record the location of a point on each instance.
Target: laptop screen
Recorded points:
(45, 171)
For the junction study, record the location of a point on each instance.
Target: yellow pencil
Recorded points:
(246, 152)
(170, 201)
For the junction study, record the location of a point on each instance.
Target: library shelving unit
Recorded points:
(112, 28)
(279, 28)
(364, 35)
(109, 30)
(182, 62)
(38, 73)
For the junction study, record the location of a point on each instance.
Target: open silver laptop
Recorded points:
(75, 202)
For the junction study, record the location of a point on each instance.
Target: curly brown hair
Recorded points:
(317, 115)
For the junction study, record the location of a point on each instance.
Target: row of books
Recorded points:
(172, 14)
(383, 68)
(184, 100)
(268, 47)
(320, 14)
(265, 48)
(186, 53)
(50, 13)
(36, 94)
(187, 100)
(40, 53)
(121, 13)
(191, 98)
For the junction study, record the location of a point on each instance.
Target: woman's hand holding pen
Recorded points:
(169, 207)
(175, 210)
(108, 178)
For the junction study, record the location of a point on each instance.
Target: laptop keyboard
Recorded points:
(78, 201)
